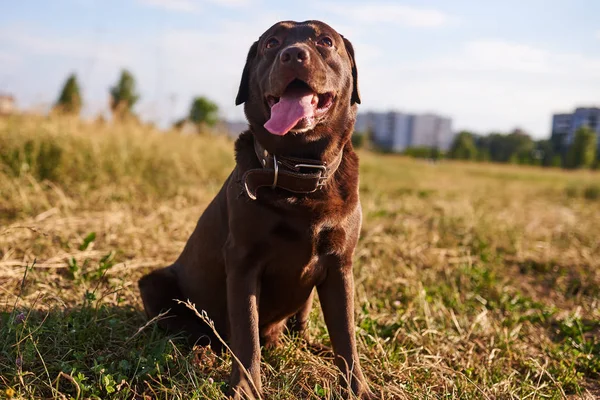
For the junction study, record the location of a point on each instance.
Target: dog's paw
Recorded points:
(361, 391)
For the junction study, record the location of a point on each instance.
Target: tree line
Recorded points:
(516, 147)
(519, 148)
(123, 98)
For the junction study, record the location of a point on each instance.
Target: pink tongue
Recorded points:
(291, 108)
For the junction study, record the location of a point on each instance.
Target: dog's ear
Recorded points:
(355, 93)
(244, 89)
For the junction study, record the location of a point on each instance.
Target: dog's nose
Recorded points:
(294, 54)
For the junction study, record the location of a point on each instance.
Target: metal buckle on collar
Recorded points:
(322, 168)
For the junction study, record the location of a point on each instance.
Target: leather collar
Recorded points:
(296, 175)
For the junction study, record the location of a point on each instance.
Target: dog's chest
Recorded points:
(295, 267)
(298, 248)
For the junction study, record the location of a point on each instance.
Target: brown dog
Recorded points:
(288, 217)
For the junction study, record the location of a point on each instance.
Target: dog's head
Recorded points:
(300, 82)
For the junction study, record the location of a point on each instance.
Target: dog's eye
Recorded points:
(272, 42)
(327, 42)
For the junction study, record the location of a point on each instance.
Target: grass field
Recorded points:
(473, 281)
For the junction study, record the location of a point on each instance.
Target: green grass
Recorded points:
(473, 281)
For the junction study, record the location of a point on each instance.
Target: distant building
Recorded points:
(389, 130)
(396, 131)
(564, 126)
(7, 104)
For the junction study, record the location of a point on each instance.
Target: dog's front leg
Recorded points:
(336, 294)
(242, 302)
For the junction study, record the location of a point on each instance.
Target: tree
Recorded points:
(358, 139)
(422, 152)
(463, 147)
(204, 112)
(69, 101)
(520, 147)
(545, 152)
(582, 153)
(123, 95)
(516, 147)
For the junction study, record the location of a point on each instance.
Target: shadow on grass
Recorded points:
(89, 352)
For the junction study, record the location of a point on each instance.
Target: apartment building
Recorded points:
(397, 131)
(564, 126)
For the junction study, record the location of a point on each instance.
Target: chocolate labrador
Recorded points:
(288, 217)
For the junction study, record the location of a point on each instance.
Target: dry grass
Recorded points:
(473, 281)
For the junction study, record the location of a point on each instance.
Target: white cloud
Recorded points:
(72, 47)
(491, 55)
(6, 57)
(387, 12)
(172, 5)
(497, 54)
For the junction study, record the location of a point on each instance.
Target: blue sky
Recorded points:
(491, 66)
